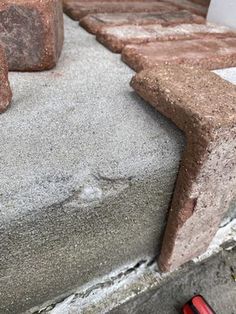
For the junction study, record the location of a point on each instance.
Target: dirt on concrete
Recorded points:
(213, 278)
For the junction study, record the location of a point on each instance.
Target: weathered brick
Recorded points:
(116, 38)
(209, 53)
(94, 23)
(204, 106)
(79, 9)
(191, 6)
(5, 90)
(205, 3)
(32, 33)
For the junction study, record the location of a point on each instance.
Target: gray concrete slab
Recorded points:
(211, 278)
(87, 171)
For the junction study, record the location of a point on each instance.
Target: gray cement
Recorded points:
(87, 172)
(212, 278)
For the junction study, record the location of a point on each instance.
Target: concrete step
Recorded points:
(87, 173)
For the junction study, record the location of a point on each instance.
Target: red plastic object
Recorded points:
(197, 305)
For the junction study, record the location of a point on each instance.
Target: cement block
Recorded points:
(87, 170)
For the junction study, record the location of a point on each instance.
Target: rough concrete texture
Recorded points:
(213, 278)
(128, 286)
(32, 33)
(116, 38)
(208, 53)
(94, 23)
(188, 5)
(87, 171)
(77, 10)
(5, 89)
(204, 106)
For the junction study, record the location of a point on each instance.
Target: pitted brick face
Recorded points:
(191, 6)
(204, 106)
(208, 53)
(205, 3)
(116, 38)
(5, 90)
(32, 33)
(79, 9)
(94, 23)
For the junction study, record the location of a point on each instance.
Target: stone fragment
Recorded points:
(191, 6)
(116, 38)
(203, 105)
(32, 33)
(209, 53)
(79, 9)
(94, 23)
(5, 90)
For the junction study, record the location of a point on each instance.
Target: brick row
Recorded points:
(209, 53)
(191, 6)
(116, 38)
(79, 9)
(94, 23)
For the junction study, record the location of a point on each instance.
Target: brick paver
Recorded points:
(5, 90)
(206, 3)
(191, 6)
(204, 106)
(94, 23)
(209, 53)
(32, 33)
(77, 10)
(116, 38)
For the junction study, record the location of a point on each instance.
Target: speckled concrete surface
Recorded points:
(87, 172)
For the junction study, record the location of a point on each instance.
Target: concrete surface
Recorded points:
(87, 172)
(211, 278)
(127, 288)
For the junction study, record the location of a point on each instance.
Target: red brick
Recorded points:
(191, 6)
(77, 10)
(94, 23)
(204, 106)
(209, 53)
(32, 33)
(205, 3)
(5, 90)
(116, 38)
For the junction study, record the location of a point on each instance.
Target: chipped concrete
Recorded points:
(87, 172)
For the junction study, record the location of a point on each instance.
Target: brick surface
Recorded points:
(32, 33)
(94, 23)
(77, 10)
(191, 6)
(209, 53)
(205, 3)
(116, 38)
(204, 106)
(5, 90)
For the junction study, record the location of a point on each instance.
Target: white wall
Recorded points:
(223, 12)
